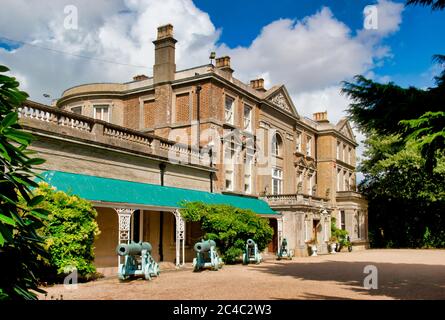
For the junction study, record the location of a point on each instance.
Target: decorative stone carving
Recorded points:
(124, 223)
(281, 101)
(180, 238)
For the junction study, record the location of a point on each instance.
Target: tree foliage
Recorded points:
(405, 201)
(69, 232)
(21, 248)
(229, 227)
(404, 166)
(435, 4)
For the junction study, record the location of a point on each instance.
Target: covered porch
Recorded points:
(145, 212)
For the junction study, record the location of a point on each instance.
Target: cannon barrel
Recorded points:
(133, 248)
(204, 246)
(250, 243)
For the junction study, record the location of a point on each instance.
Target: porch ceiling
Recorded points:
(100, 189)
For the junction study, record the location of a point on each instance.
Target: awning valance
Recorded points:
(100, 189)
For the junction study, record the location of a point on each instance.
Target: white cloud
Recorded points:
(120, 30)
(310, 56)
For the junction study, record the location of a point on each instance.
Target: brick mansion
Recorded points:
(136, 150)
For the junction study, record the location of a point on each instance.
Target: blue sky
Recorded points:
(421, 33)
(311, 46)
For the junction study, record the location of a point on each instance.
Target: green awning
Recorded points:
(121, 191)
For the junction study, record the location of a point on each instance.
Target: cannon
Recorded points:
(284, 252)
(206, 256)
(138, 261)
(251, 253)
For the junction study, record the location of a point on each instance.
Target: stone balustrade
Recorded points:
(296, 199)
(41, 118)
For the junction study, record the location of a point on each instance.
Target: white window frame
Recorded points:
(76, 107)
(276, 146)
(247, 121)
(277, 174)
(309, 182)
(349, 155)
(229, 113)
(338, 149)
(102, 107)
(298, 142)
(248, 174)
(342, 214)
(339, 180)
(309, 146)
(229, 164)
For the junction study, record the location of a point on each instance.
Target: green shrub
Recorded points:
(69, 231)
(229, 227)
(339, 234)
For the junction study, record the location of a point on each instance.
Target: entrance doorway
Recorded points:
(273, 245)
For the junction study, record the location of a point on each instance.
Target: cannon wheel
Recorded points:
(122, 275)
(195, 264)
(147, 274)
(156, 269)
(245, 259)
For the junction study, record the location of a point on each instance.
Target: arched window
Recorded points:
(277, 145)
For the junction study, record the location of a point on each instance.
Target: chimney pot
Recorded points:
(140, 77)
(223, 63)
(321, 116)
(165, 31)
(258, 84)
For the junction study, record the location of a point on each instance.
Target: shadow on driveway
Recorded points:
(395, 280)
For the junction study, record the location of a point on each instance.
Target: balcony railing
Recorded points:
(296, 199)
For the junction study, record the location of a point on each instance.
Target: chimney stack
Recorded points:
(165, 67)
(258, 84)
(321, 116)
(223, 63)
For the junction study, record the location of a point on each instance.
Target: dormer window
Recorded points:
(229, 110)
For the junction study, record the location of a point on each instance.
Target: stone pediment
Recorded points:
(345, 129)
(280, 98)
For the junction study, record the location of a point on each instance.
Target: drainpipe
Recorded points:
(211, 166)
(198, 112)
(161, 218)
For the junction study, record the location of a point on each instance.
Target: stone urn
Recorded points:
(332, 247)
(313, 250)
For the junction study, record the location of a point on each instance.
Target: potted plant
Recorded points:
(312, 245)
(333, 244)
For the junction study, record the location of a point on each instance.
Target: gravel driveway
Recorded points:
(402, 274)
